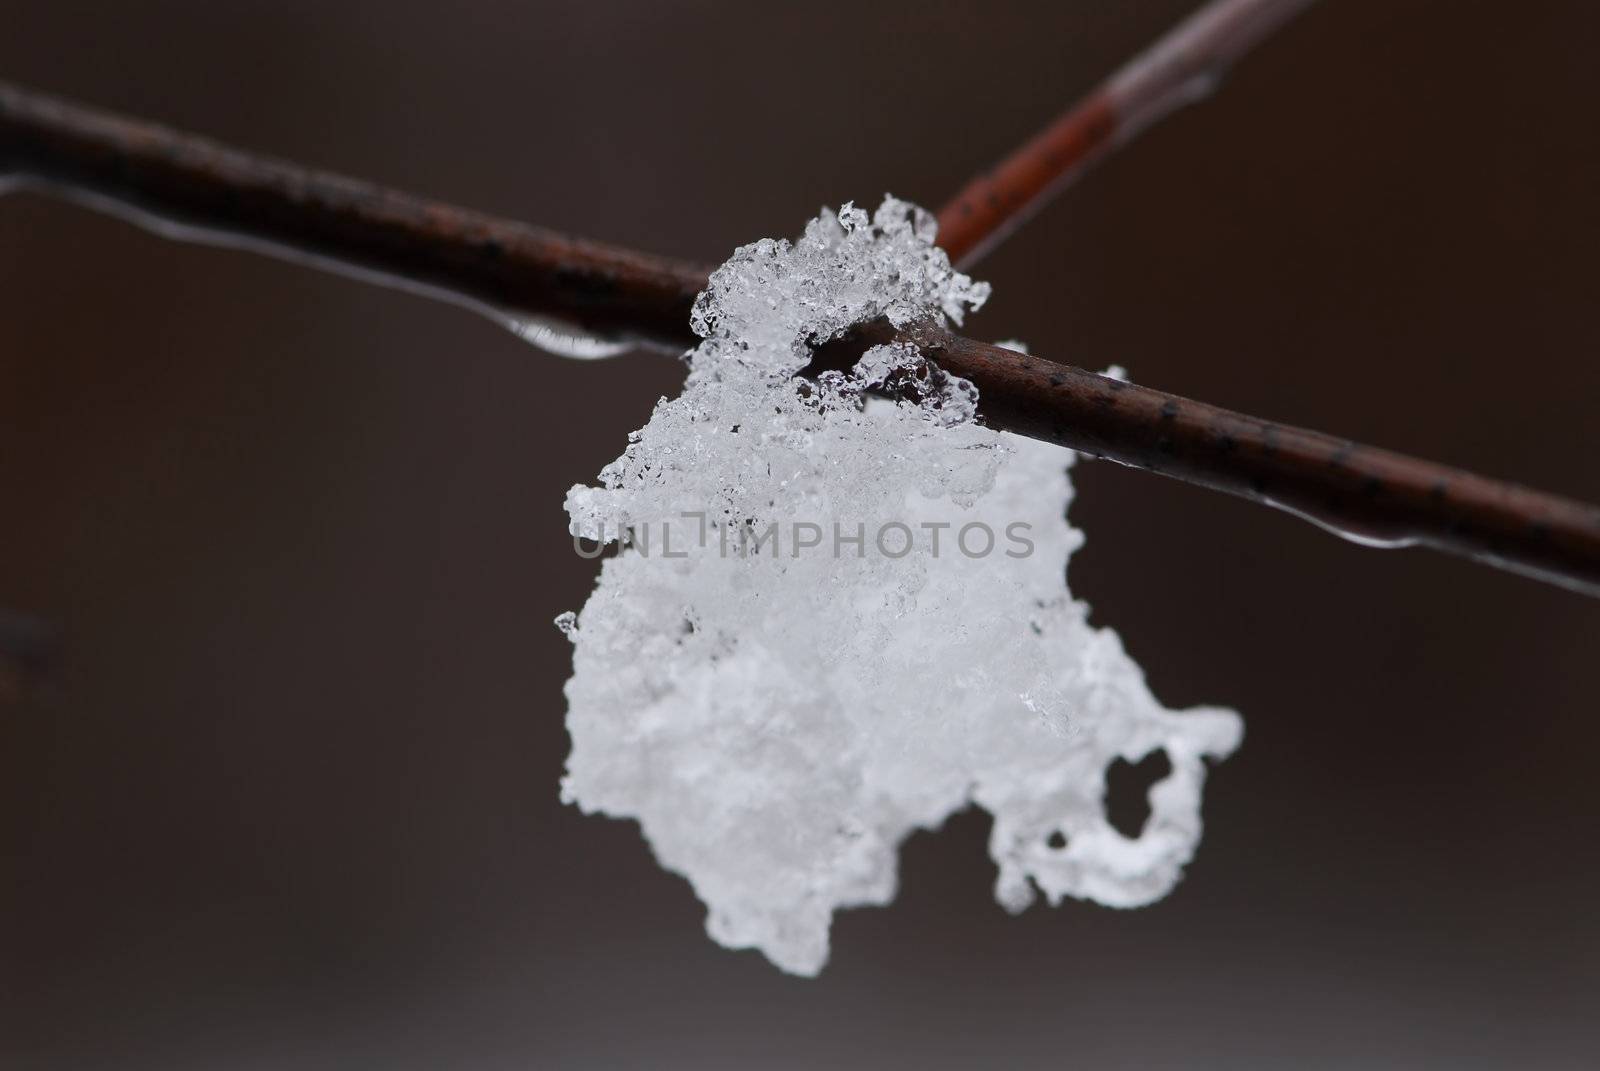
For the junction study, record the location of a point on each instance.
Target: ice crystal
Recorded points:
(840, 615)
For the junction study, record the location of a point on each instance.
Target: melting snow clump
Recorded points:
(839, 614)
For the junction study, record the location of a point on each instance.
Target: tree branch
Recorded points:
(186, 187)
(192, 189)
(1180, 68)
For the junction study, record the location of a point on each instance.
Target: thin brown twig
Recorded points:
(1181, 67)
(187, 187)
(193, 189)
(1371, 496)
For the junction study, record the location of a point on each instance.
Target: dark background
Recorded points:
(289, 800)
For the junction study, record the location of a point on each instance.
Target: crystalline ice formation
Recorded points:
(808, 647)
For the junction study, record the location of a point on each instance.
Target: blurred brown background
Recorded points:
(289, 800)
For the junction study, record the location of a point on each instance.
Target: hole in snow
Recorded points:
(1128, 791)
(1056, 840)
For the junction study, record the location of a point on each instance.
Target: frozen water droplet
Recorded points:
(564, 340)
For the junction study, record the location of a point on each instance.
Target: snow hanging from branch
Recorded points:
(839, 614)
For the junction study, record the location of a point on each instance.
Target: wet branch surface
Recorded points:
(186, 187)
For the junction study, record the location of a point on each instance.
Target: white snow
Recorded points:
(838, 619)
